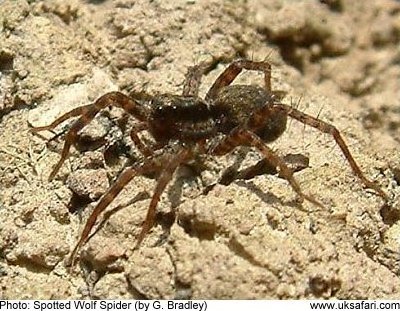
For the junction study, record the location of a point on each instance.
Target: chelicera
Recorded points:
(186, 126)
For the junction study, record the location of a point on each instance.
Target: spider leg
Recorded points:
(171, 165)
(106, 199)
(296, 162)
(332, 130)
(123, 179)
(107, 214)
(87, 113)
(241, 136)
(143, 148)
(193, 79)
(233, 70)
(146, 150)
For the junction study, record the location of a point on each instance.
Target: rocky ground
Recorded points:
(337, 59)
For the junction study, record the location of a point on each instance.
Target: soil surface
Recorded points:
(338, 60)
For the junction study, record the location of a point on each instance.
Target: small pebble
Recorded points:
(87, 183)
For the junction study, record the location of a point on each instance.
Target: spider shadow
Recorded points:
(244, 177)
(267, 196)
(175, 192)
(166, 220)
(143, 195)
(96, 1)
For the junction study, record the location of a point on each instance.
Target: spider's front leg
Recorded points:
(87, 113)
(244, 137)
(166, 175)
(143, 148)
(105, 200)
(173, 161)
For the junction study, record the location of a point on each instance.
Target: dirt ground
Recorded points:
(336, 59)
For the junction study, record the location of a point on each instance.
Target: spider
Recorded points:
(186, 126)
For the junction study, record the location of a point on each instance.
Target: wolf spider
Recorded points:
(185, 126)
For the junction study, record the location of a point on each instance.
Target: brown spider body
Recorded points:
(229, 116)
(190, 119)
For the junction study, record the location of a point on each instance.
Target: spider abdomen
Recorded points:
(240, 102)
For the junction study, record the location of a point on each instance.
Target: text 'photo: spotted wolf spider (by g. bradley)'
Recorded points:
(229, 116)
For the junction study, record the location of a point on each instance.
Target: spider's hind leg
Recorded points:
(334, 132)
(244, 137)
(233, 70)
